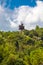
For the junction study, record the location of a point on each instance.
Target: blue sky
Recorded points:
(12, 12)
(17, 3)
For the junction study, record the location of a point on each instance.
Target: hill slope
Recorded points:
(21, 48)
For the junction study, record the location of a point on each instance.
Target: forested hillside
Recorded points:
(21, 47)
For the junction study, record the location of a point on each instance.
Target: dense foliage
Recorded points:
(21, 48)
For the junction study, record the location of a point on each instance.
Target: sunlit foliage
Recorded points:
(24, 48)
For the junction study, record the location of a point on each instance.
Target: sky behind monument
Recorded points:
(13, 12)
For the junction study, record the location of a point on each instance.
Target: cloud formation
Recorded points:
(29, 16)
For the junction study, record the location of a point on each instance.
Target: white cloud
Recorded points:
(4, 24)
(30, 16)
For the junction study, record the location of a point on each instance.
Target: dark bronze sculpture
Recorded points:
(21, 27)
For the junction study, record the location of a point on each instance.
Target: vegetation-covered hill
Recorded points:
(21, 48)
